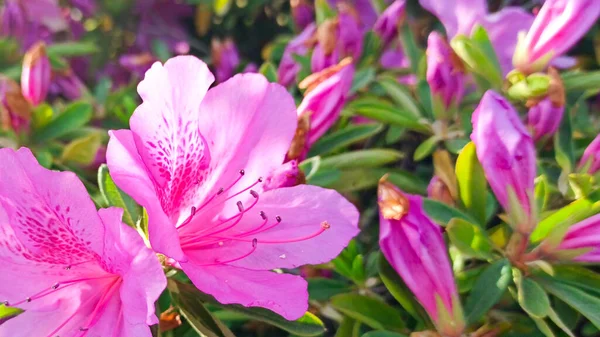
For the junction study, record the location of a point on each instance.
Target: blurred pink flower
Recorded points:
(556, 28)
(584, 236)
(35, 76)
(544, 119)
(225, 58)
(15, 110)
(387, 24)
(288, 67)
(395, 59)
(162, 21)
(364, 10)
(590, 161)
(445, 78)
(461, 16)
(414, 246)
(336, 39)
(507, 154)
(302, 13)
(325, 96)
(79, 271)
(31, 20)
(194, 159)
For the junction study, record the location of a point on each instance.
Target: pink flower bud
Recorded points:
(544, 119)
(590, 161)
(225, 58)
(288, 67)
(584, 238)
(386, 25)
(438, 190)
(287, 175)
(302, 13)
(35, 77)
(326, 93)
(444, 74)
(337, 38)
(507, 155)
(556, 28)
(414, 246)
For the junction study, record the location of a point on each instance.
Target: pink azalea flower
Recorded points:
(584, 236)
(414, 246)
(503, 27)
(590, 161)
(31, 20)
(544, 119)
(74, 270)
(386, 25)
(336, 39)
(35, 76)
(446, 80)
(288, 67)
(194, 159)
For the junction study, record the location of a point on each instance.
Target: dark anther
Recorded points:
(240, 206)
(254, 242)
(263, 215)
(193, 210)
(83, 329)
(221, 190)
(68, 268)
(260, 179)
(55, 286)
(28, 299)
(278, 218)
(242, 172)
(6, 303)
(254, 194)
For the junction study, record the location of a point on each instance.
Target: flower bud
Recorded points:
(225, 58)
(288, 67)
(438, 190)
(15, 111)
(544, 119)
(414, 246)
(590, 161)
(556, 28)
(336, 38)
(386, 25)
(35, 77)
(302, 13)
(444, 74)
(325, 95)
(580, 242)
(68, 85)
(507, 154)
(287, 175)
(137, 63)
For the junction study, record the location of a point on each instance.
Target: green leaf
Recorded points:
(370, 311)
(363, 178)
(361, 158)
(410, 48)
(322, 289)
(559, 322)
(442, 213)
(344, 137)
(570, 214)
(72, 48)
(532, 298)
(82, 150)
(425, 148)
(401, 95)
(346, 328)
(384, 112)
(488, 289)
(563, 145)
(44, 157)
(358, 269)
(323, 11)
(543, 326)
(192, 308)
(396, 286)
(362, 79)
(6, 312)
(76, 115)
(221, 7)
(470, 239)
(580, 300)
(269, 71)
(371, 49)
(579, 277)
(115, 197)
(383, 334)
(472, 183)
(581, 81)
(478, 55)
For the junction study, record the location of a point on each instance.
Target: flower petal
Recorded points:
(284, 294)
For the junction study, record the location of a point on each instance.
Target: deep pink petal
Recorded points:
(284, 294)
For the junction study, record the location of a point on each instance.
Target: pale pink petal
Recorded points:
(42, 323)
(130, 174)
(284, 294)
(457, 16)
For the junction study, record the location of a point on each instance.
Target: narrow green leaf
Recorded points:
(425, 148)
(269, 71)
(72, 48)
(344, 137)
(580, 300)
(82, 150)
(563, 145)
(442, 213)
(221, 7)
(401, 95)
(581, 81)
(488, 289)
(76, 115)
(572, 213)
(115, 197)
(543, 326)
(346, 328)
(384, 112)
(361, 158)
(469, 238)
(370, 311)
(532, 298)
(362, 79)
(322, 289)
(359, 179)
(472, 183)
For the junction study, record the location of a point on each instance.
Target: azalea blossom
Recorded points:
(75, 271)
(31, 20)
(337, 38)
(35, 76)
(288, 67)
(503, 27)
(195, 159)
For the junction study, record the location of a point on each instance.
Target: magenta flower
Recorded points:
(225, 58)
(31, 20)
(74, 270)
(507, 155)
(461, 16)
(286, 175)
(194, 159)
(386, 25)
(590, 161)
(556, 28)
(288, 67)
(394, 58)
(414, 246)
(161, 20)
(544, 119)
(35, 77)
(583, 237)
(68, 85)
(444, 77)
(325, 97)
(302, 13)
(362, 9)
(336, 39)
